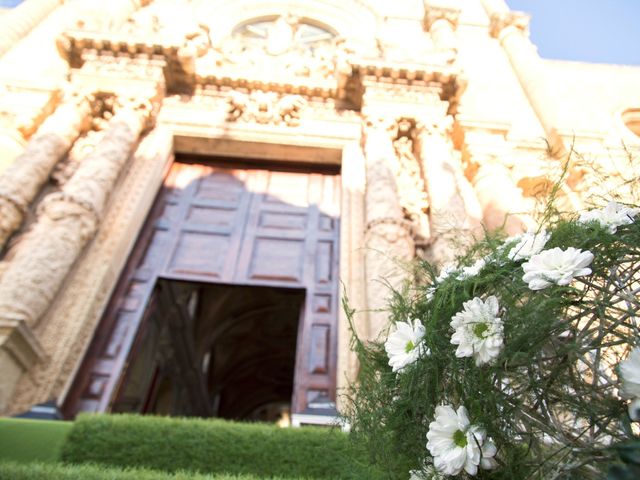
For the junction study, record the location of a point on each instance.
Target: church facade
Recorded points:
(189, 189)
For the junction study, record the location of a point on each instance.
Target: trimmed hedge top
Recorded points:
(57, 471)
(25, 440)
(214, 446)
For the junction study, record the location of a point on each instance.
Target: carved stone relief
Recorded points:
(411, 188)
(265, 108)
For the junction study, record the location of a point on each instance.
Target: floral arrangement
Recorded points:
(520, 361)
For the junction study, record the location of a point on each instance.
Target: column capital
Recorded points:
(502, 20)
(433, 13)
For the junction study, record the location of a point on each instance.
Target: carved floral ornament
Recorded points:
(265, 107)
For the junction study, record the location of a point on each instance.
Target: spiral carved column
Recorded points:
(23, 179)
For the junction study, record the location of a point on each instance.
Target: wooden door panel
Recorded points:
(225, 225)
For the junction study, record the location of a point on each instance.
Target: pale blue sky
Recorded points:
(601, 31)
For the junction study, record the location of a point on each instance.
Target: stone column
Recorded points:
(17, 23)
(23, 179)
(502, 201)
(441, 22)
(66, 221)
(503, 204)
(388, 237)
(454, 210)
(511, 30)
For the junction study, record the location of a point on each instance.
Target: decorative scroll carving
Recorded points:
(433, 13)
(502, 20)
(266, 107)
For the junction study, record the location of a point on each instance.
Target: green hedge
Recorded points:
(16, 471)
(32, 440)
(214, 446)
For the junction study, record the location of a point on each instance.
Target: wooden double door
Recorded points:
(213, 223)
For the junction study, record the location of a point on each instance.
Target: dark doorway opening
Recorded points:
(214, 350)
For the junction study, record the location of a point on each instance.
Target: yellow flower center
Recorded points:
(410, 346)
(459, 438)
(480, 330)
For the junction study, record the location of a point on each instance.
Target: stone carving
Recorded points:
(197, 43)
(387, 233)
(265, 107)
(433, 13)
(502, 20)
(82, 147)
(87, 293)
(411, 189)
(21, 181)
(285, 47)
(67, 220)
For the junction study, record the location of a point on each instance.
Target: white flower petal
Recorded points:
(556, 266)
(610, 217)
(630, 374)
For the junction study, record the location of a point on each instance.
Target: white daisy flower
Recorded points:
(457, 445)
(405, 344)
(472, 270)
(610, 217)
(479, 331)
(630, 374)
(529, 244)
(556, 266)
(446, 271)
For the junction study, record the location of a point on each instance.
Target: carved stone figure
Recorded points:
(290, 108)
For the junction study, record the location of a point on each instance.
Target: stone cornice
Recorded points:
(434, 13)
(109, 56)
(502, 20)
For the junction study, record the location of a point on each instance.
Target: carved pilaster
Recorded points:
(67, 220)
(511, 29)
(453, 209)
(388, 234)
(21, 181)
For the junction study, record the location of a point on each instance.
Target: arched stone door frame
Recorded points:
(159, 147)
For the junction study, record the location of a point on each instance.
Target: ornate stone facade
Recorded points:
(440, 115)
